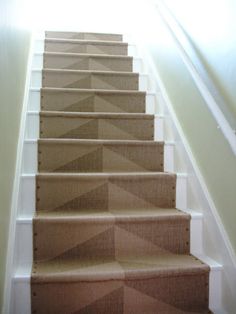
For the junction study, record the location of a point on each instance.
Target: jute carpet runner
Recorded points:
(107, 237)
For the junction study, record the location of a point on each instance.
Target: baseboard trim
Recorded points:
(15, 192)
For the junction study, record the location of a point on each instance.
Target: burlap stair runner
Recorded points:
(125, 126)
(107, 236)
(90, 79)
(85, 46)
(85, 36)
(79, 61)
(75, 155)
(92, 100)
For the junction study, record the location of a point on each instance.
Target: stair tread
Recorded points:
(100, 115)
(124, 268)
(138, 214)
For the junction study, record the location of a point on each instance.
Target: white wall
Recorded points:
(14, 46)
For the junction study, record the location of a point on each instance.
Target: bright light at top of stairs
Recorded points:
(121, 16)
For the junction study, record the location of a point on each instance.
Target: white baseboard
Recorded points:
(12, 233)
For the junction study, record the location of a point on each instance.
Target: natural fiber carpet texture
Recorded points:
(87, 62)
(107, 235)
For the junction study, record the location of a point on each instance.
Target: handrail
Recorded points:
(186, 49)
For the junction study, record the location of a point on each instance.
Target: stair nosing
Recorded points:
(86, 55)
(92, 90)
(103, 175)
(180, 175)
(112, 217)
(99, 115)
(195, 215)
(137, 274)
(99, 141)
(85, 41)
(117, 73)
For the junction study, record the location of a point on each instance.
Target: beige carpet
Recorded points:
(94, 62)
(107, 236)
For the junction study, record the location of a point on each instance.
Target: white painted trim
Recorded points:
(15, 191)
(209, 96)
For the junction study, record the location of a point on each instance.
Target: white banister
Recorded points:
(209, 94)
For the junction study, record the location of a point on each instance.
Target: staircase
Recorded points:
(107, 236)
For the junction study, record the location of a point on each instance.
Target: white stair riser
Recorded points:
(196, 244)
(138, 65)
(36, 80)
(27, 197)
(39, 45)
(151, 103)
(144, 84)
(38, 63)
(169, 157)
(24, 244)
(215, 291)
(181, 192)
(34, 101)
(132, 50)
(158, 129)
(21, 296)
(30, 157)
(32, 125)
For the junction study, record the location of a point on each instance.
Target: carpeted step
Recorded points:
(167, 283)
(112, 234)
(105, 191)
(66, 155)
(86, 36)
(76, 61)
(120, 126)
(107, 237)
(92, 100)
(86, 46)
(90, 79)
